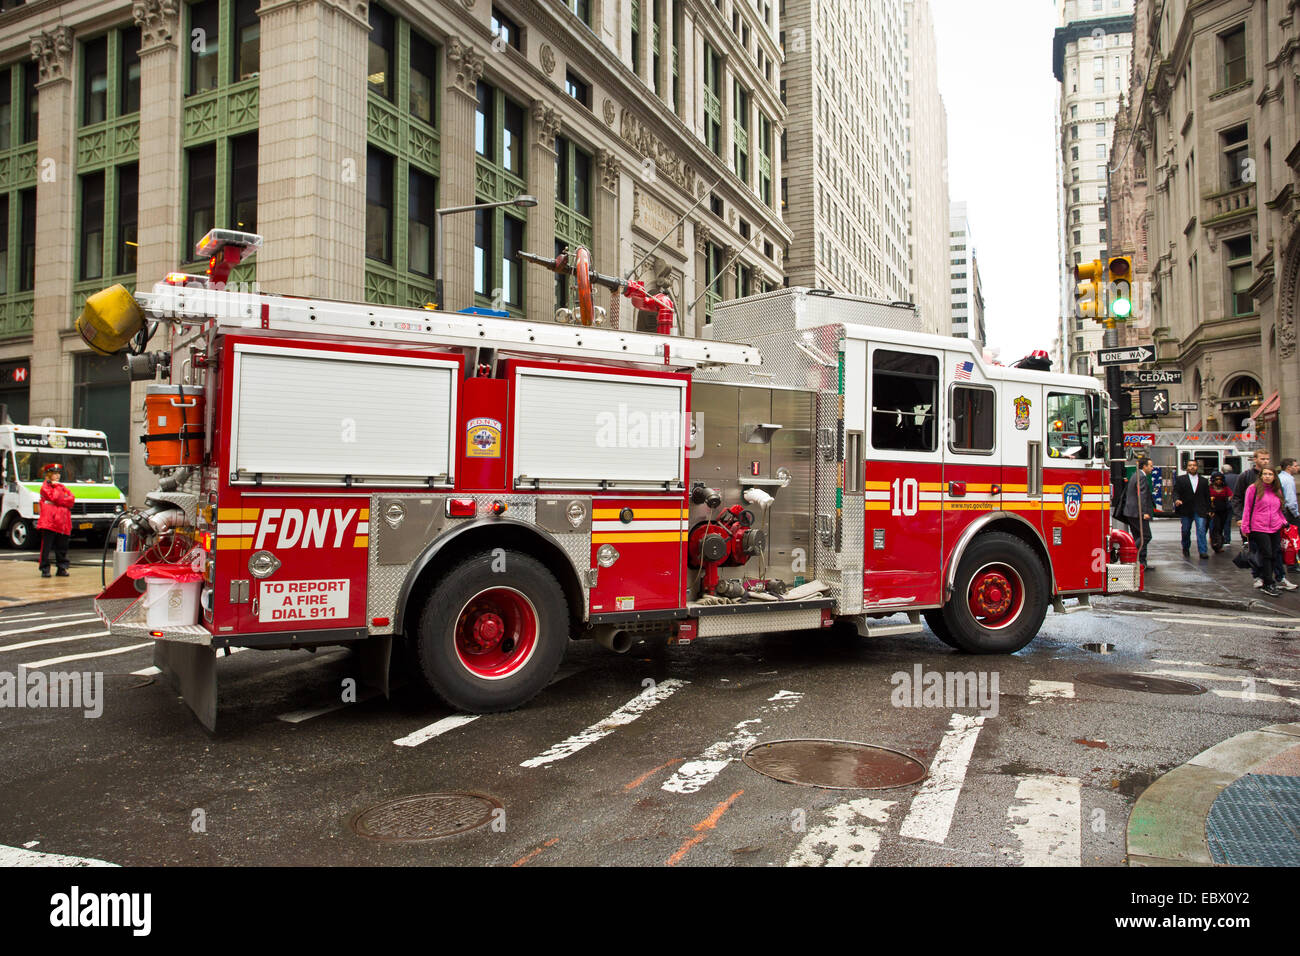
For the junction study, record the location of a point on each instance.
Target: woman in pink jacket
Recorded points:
(1262, 521)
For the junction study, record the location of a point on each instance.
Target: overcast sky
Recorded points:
(995, 74)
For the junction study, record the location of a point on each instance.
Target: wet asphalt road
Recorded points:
(1049, 778)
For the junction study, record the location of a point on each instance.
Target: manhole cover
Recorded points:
(425, 816)
(834, 764)
(1140, 682)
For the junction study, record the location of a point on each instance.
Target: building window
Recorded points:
(712, 100)
(6, 115)
(765, 159)
(581, 9)
(1074, 132)
(483, 252)
(91, 231)
(512, 243)
(1099, 85)
(248, 44)
(1232, 47)
(94, 81)
(740, 131)
(204, 44)
(423, 57)
(420, 213)
(1101, 151)
(243, 182)
(572, 177)
(1237, 255)
(379, 205)
(577, 88)
(129, 65)
(1074, 153)
(31, 103)
(200, 194)
(128, 216)
(636, 37)
(1075, 194)
(1236, 156)
(27, 241)
(506, 29)
(380, 52)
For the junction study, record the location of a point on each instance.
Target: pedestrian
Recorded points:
(1230, 477)
(1247, 478)
(1286, 480)
(1139, 506)
(1220, 512)
(55, 522)
(1261, 524)
(1192, 506)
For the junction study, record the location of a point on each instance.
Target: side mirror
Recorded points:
(1099, 448)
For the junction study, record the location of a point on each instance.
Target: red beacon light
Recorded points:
(224, 249)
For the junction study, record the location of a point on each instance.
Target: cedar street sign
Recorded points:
(1133, 356)
(1153, 376)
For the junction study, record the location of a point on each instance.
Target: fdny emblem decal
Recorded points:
(1072, 495)
(483, 438)
(1022, 413)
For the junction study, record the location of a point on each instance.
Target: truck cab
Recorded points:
(87, 473)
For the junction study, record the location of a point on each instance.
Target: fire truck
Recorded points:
(478, 489)
(1172, 450)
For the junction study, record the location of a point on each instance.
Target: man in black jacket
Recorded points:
(1139, 506)
(1192, 506)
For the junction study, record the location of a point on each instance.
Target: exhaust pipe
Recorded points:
(610, 638)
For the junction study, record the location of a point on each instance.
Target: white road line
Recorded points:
(52, 640)
(436, 729)
(1230, 678)
(1232, 624)
(1254, 696)
(629, 712)
(51, 627)
(80, 657)
(695, 775)
(16, 856)
(1212, 618)
(932, 808)
(298, 716)
(1046, 821)
(1041, 690)
(4, 621)
(851, 837)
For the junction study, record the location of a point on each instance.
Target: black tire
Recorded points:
(21, 534)
(524, 590)
(997, 553)
(934, 618)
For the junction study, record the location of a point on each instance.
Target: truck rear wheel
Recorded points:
(22, 534)
(490, 639)
(934, 618)
(999, 598)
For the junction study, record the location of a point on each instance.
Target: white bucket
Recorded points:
(170, 603)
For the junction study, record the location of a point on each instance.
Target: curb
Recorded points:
(1221, 603)
(1167, 824)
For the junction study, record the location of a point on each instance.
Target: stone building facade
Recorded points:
(1218, 123)
(336, 127)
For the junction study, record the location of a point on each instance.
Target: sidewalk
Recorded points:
(1216, 582)
(1236, 804)
(21, 581)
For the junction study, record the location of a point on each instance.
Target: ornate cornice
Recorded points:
(609, 167)
(158, 20)
(52, 50)
(546, 124)
(666, 160)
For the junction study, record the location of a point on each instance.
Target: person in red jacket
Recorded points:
(55, 522)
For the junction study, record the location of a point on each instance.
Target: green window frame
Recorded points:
(712, 269)
(1238, 260)
(402, 117)
(636, 37)
(500, 174)
(740, 130)
(712, 100)
(765, 159)
(18, 116)
(573, 205)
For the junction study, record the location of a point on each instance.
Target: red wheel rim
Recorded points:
(996, 596)
(496, 633)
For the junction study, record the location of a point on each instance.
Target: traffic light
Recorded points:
(1087, 294)
(1119, 287)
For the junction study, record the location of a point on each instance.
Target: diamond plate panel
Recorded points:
(723, 625)
(384, 582)
(1253, 822)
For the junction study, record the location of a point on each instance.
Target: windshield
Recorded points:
(77, 469)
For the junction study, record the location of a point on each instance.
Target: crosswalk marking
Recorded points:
(1231, 678)
(930, 816)
(1230, 619)
(52, 640)
(629, 712)
(1255, 696)
(851, 836)
(695, 775)
(298, 716)
(436, 729)
(1046, 821)
(18, 618)
(1041, 690)
(50, 627)
(80, 657)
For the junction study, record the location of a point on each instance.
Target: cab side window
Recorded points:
(973, 410)
(904, 400)
(1069, 427)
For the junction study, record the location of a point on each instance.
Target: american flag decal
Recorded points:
(964, 369)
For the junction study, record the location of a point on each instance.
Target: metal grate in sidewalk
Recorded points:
(1255, 821)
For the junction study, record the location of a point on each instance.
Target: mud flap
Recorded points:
(191, 670)
(374, 657)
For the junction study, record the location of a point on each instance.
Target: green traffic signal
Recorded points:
(1121, 308)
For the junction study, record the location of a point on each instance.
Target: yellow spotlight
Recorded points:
(110, 320)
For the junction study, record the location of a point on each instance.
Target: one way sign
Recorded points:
(1131, 356)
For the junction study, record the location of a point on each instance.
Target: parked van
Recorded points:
(87, 473)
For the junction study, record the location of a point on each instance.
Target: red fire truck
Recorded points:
(483, 488)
